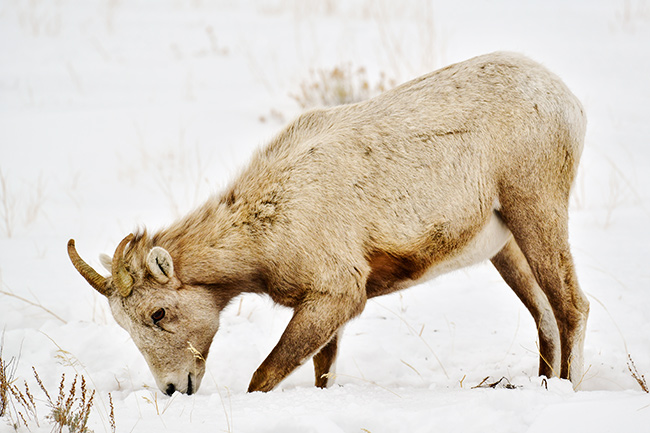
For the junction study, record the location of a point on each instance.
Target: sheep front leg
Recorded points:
(313, 325)
(324, 361)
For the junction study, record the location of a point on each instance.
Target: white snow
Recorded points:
(115, 115)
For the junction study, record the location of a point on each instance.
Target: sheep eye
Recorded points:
(158, 315)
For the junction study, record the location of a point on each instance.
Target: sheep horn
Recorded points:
(94, 279)
(122, 279)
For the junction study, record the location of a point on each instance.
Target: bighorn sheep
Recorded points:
(474, 161)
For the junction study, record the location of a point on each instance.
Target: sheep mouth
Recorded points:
(190, 387)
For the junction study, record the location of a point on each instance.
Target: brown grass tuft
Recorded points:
(111, 416)
(339, 85)
(69, 413)
(640, 378)
(72, 408)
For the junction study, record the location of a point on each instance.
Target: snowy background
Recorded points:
(116, 114)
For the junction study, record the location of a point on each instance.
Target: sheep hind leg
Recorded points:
(540, 228)
(511, 263)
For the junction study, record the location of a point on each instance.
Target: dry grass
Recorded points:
(409, 38)
(228, 416)
(111, 415)
(7, 371)
(25, 202)
(361, 379)
(340, 85)
(40, 19)
(418, 334)
(502, 383)
(631, 16)
(178, 168)
(17, 406)
(7, 206)
(34, 304)
(69, 410)
(640, 378)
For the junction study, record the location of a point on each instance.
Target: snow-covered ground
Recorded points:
(116, 114)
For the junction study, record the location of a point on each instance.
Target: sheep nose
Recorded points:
(170, 389)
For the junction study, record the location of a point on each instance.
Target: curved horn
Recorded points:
(94, 279)
(122, 279)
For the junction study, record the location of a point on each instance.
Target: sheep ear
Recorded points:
(160, 264)
(106, 261)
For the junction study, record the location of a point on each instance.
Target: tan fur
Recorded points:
(356, 201)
